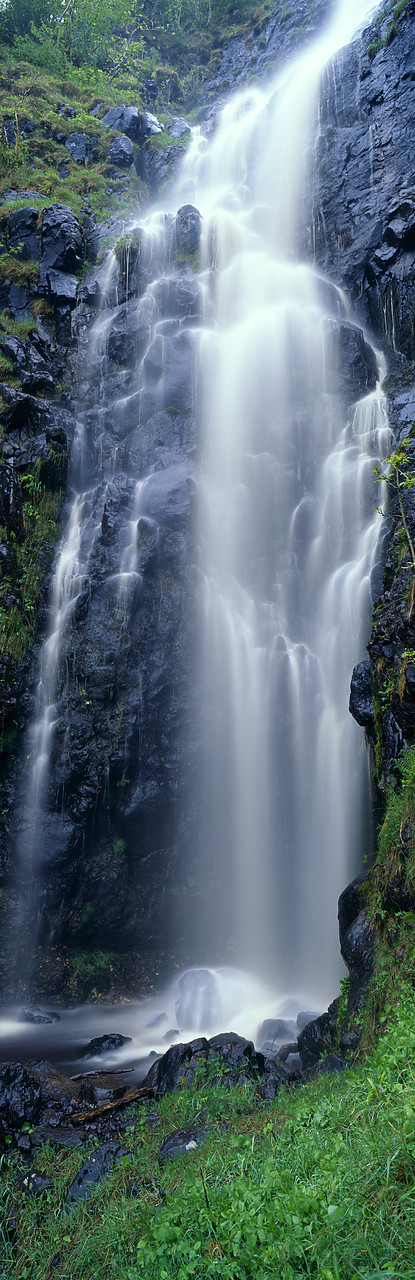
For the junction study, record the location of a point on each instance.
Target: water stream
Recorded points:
(288, 538)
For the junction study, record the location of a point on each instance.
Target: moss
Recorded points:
(32, 555)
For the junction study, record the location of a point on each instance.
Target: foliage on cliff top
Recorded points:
(319, 1183)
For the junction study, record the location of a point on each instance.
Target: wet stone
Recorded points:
(35, 1183)
(104, 1044)
(97, 1166)
(182, 1141)
(38, 1016)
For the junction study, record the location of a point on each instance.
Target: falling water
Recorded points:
(288, 536)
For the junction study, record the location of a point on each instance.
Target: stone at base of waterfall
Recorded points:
(182, 1142)
(104, 1044)
(38, 1016)
(305, 1017)
(274, 1032)
(328, 1066)
(317, 1038)
(229, 1059)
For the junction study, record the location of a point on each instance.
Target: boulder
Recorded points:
(127, 120)
(178, 127)
(182, 1141)
(121, 152)
(156, 167)
(234, 1057)
(77, 145)
(104, 1044)
(96, 1167)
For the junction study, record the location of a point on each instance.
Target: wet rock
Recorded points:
(19, 299)
(182, 1141)
(236, 1060)
(358, 948)
(23, 232)
(332, 1063)
(317, 1037)
(150, 124)
(77, 145)
(272, 1033)
(62, 287)
(35, 1184)
(352, 361)
(38, 1016)
(62, 242)
(188, 226)
(127, 120)
(304, 1018)
(349, 905)
(178, 127)
(104, 1044)
(97, 1167)
(361, 701)
(396, 896)
(20, 1095)
(157, 167)
(121, 152)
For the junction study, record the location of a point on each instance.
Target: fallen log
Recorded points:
(112, 1071)
(132, 1095)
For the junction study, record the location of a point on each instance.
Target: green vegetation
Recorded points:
(396, 12)
(319, 1183)
(91, 972)
(21, 591)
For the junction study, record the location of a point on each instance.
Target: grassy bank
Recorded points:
(319, 1183)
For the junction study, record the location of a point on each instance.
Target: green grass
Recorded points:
(319, 1183)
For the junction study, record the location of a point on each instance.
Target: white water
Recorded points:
(288, 536)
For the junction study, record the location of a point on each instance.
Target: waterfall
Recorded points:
(291, 422)
(288, 537)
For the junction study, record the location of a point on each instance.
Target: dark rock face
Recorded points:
(156, 167)
(62, 242)
(188, 228)
(23, 232)
(361, 701)
(363, 207)
(358, 949)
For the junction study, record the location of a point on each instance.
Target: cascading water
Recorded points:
(288, 535)
(288, 541)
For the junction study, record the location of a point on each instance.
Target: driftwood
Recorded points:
(114, 1071)
(132, 1095)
